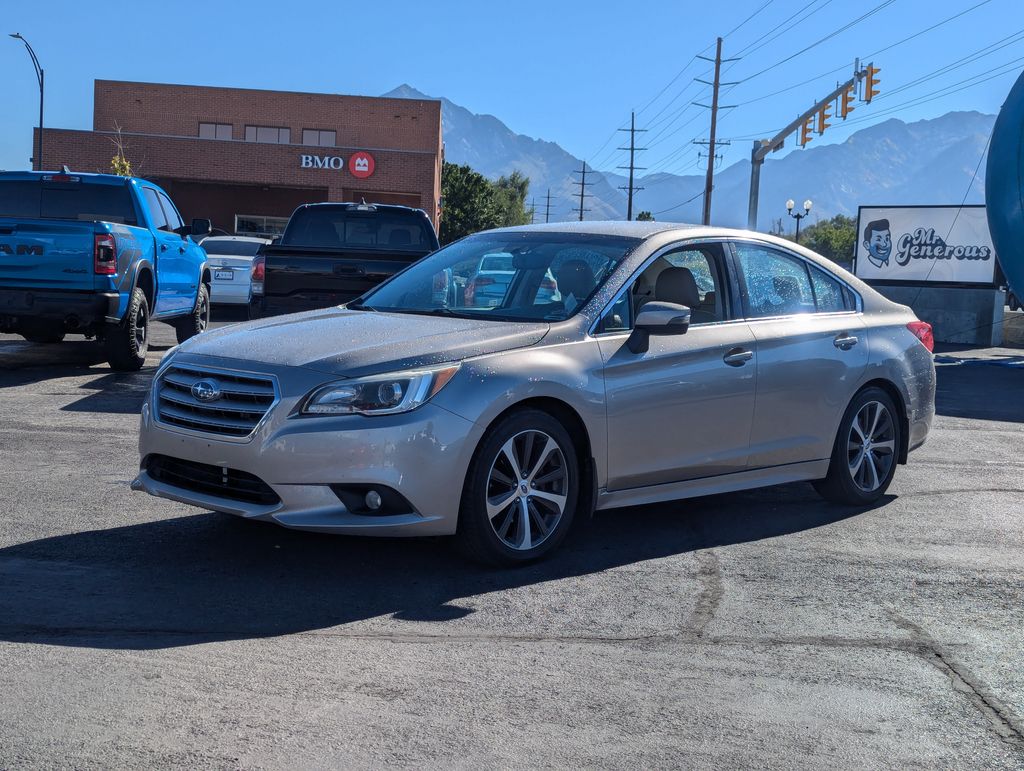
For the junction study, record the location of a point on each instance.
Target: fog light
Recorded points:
(373, 500)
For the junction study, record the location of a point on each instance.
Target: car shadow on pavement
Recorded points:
(989, 389)
(213, 577)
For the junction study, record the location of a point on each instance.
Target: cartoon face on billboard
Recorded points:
(878, 242)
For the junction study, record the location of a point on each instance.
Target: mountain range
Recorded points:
(892, 162)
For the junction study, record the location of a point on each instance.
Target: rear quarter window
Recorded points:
(81, 201)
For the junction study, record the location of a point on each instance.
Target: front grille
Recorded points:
(211, 480)
(244, 400)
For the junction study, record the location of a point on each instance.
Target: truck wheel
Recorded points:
(127, 342)
(43, 332)
(198, 320)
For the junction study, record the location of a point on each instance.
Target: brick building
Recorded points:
(246, 158)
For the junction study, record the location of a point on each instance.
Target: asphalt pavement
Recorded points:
(758, 629)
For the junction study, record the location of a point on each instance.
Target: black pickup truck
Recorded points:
(331, 253)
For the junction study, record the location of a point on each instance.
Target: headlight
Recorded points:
(380, 394)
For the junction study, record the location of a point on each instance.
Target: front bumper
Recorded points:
(423, 455)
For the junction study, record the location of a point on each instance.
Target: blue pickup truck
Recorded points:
(99, 255)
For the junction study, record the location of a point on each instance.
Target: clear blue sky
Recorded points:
(563, 71)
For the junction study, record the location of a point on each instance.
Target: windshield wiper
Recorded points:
(358, 305)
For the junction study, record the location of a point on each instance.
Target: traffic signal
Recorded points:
(823, 115)
(846, 101)
(871, 82)
(805, 131)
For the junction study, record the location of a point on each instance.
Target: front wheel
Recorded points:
(521, 491)
(866, 451)
(198, 320)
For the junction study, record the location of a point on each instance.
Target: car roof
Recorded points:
(647, 229)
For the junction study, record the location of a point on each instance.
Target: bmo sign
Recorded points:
(360, 164)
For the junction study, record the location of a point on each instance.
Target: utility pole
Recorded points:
(709, 177)
(632, 166)
(547, 207)
(533, 211)
(583, 188)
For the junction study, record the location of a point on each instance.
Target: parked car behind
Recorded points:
(98, 255)
(331, 253)
(680, 361)
(230, 261)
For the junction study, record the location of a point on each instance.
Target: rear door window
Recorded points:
(156, 212)
(775, 284)
(828, 293)
(170, 213)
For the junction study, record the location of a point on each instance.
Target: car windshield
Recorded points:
(359, 227)
(508, 276)
(231, 248)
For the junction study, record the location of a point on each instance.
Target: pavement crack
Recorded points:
(712, 589)
(998, 716)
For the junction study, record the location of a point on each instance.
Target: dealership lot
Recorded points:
(752, 628)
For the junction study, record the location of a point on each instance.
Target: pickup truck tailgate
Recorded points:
(46, 255)
(316, 278)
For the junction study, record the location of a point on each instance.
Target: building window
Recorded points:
(268, 135)
(259, 226)
(318, 138)
(215, 131)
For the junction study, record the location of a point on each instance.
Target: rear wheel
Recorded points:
(127, 342)
(42, 331)
(198, 320)
(521, 492)
(866, 450)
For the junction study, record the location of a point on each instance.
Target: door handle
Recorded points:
(737, 357)
(181, 250)
(163, 247)
(845, 341)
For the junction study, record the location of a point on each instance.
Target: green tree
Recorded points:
(833, 238)
(473, 203)
(510, 199)
(645, 216)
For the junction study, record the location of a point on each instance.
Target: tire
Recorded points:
(856, 477)
(43, 332)
(198, 320)
(529, 520)
(128, 342)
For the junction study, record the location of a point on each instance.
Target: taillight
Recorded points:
(257, 273)
(104, 255)
(548, 283)
(923, 331)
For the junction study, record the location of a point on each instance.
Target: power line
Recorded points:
(884, 4)
(742, 23)
(677, 206)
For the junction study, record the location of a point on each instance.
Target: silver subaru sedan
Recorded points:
(669, 362)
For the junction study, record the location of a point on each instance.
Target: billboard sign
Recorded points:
(934, 244)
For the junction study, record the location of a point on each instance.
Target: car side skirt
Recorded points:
(727, 483)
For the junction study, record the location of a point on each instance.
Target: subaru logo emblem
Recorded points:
(206, 390)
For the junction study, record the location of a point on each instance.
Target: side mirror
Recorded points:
(201, 227)
(657, 318)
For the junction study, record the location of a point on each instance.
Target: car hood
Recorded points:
(355, 343)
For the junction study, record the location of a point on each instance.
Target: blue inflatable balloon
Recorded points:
(1004, 187)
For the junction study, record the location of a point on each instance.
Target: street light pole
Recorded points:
(798, 216)
(38, 160)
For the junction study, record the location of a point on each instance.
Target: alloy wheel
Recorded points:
(140, 328)
(871, 446)
(527, 489)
